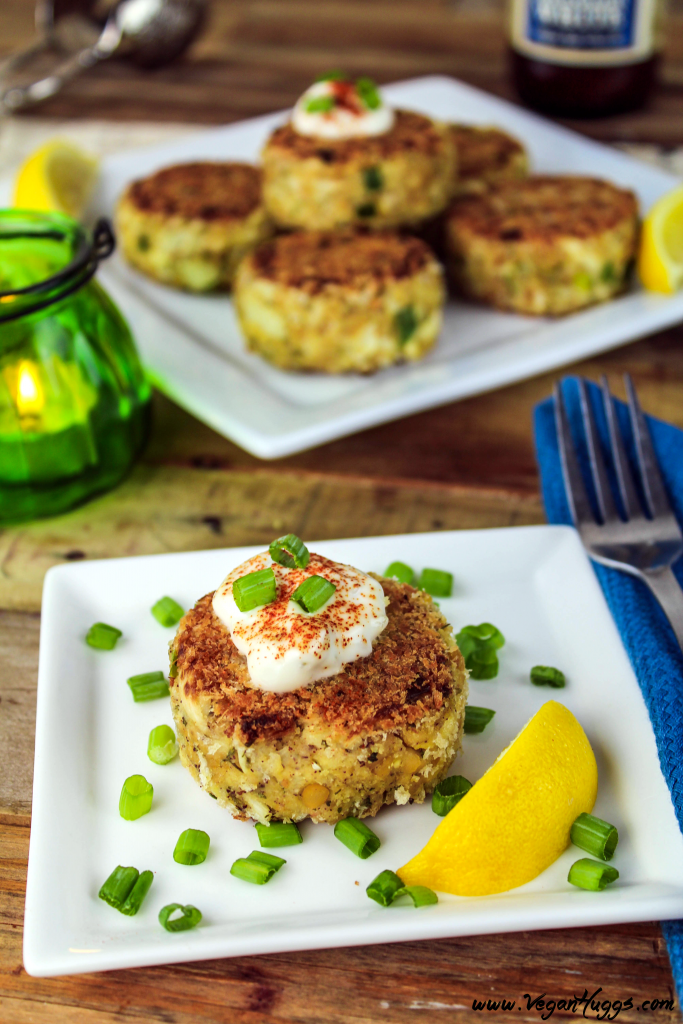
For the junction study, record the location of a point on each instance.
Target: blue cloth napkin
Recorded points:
(645, 631)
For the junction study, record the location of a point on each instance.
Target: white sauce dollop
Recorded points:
(348, 119)
(287, 648)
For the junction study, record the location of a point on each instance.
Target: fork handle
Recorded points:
(666, 589)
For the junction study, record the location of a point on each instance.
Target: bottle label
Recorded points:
(585, 32)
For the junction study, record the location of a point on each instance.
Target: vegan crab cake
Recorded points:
(340, 301)
(543, 245)
(485, 157)
(339, 162)
(383, 729)
(189, 225)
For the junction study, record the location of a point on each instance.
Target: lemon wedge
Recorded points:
(515, 821)
(58, 176)
(660, 258)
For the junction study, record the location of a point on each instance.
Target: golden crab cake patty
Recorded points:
(485, 157)
(189, 225)
(384, 730)
(401, 177)
(337, 302)
(543, 245)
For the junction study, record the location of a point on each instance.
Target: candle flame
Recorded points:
(30, 398)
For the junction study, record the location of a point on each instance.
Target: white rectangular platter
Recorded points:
(194, 351)
(534, 583)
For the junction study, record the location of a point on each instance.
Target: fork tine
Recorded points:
(571, 472)
(647, 460)
(601, 482)
(629, 495)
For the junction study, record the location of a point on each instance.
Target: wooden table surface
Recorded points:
(468, 464)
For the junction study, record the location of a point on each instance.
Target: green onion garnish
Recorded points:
(134, 899)
(136, 797)
(278, 833)
(436, 582)
(448, 793)
(368, 93)
(401, 572)
(320, 104)
(173, 667)
(332, 76)
(192, 847)
(162, 745)
(419, 894)
(255, 589)
(258, 867)
(591, 874)
(366, 210)
(476, 719)
(313, 593)
(190, 917)
(117, 888)
(478, 645)
(373, 179)
(102, 636)
(486, 633)
(167, 612)
(544, 675)
(148, 686)
(290, 551)
(595, 836)
(355, 834)
(405, 323)
(384, 888)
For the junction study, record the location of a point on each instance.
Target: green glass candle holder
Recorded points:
(74, 402)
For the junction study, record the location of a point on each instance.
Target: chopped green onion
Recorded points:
(478, 646)
(544, 675)
(313, 593)
(190, 917)
(332, 76)
(401, 572)
(255, 589)
(355, 834)
(117, 888)
(136, 797)
(320, 104)
(162, 745)
(595, 836)
(448, 793)
(405, 323)
(148, 686)
(368, 93)
(419, 894)
(476, 719)
(290, 551)
(278, 833)
(137, 894)
(373, 179)
(102, 637)
(258, 867)
(384, 888)
(143, 243)
(173, 667)
(436, 582)
(485, 633)
(608, 274)
(366, 210)
(192, 847)
(167, 612)
(591, 874)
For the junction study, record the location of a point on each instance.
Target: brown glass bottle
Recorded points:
(584, 58)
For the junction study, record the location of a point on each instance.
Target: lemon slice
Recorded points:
(58, 176)
(515, 821)
(660, 259)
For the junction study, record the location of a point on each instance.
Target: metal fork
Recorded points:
(649, 540)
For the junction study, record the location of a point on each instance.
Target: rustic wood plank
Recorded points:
(19, 646)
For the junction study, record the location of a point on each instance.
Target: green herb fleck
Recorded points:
(143, 243)
(366, 210)
(373, 179)
(405, 323)
(320, 105)
(368, 93)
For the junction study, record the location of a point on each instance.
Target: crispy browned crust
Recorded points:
(543, 208)
(310, 260)
(408, 674)
(410, 133)
(199, 191)
(484, 151)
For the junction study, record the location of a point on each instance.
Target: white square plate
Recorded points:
(535, 583)
(193, 348)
